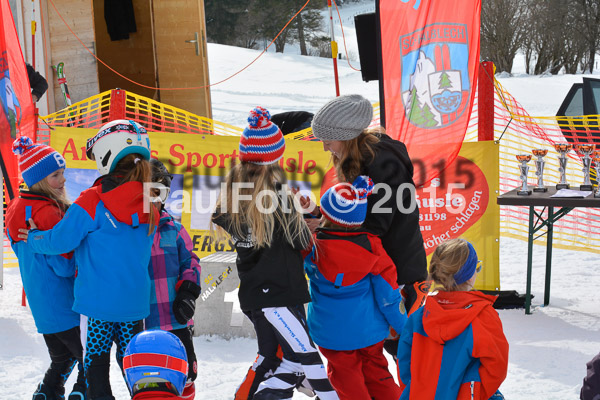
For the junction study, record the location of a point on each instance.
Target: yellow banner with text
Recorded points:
(460, 202)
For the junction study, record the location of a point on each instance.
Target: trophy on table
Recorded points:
(586, 151)
(596, 160)
(539, 169)
(524, 169)
(562, 149)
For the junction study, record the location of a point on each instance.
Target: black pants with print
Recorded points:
(100, 337)
(65, 350)
(286, 326)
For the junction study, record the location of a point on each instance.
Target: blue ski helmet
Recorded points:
(155, 358)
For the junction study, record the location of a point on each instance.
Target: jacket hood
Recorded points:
(124, 201)
(447, 314)
(394, 151)
(165, 218)
(337, 248)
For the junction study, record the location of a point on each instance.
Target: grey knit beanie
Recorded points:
(342, 118)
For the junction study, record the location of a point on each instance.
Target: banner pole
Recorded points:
(2, 227)
(33, 30)
(486, 98)
(334, 50)
(380, 66)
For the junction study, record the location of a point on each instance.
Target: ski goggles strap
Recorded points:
(155, 360)
(132, 128)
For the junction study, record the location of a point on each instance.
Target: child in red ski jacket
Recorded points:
(110, 228)
(355, 297)
(48, 280)
(454, 346)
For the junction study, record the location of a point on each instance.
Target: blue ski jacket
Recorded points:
(47, 279)
(108, 230)
(355, 297)
(453, 348)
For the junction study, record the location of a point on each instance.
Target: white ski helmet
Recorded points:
(114, 141)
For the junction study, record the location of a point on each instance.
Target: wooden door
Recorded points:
(133, 57)
(181, 61)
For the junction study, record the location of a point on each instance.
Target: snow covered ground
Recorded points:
(548, 350)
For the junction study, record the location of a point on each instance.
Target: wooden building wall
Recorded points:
(162, 51)
(80, 65)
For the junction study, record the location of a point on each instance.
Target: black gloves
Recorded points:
(184, 304)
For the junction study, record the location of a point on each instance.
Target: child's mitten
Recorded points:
(184, 304)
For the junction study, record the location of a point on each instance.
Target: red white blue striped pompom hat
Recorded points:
(262, 141)
(345, 204)
(36, 161)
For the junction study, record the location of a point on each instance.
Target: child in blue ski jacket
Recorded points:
(355, 297)
(453, 347)
(48, 280)
(175, 278)
(110, 228)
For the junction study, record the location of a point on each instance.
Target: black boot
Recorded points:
(53, 384)
(43, 392)
(79, 391)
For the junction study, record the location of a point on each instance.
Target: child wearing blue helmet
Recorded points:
(110, 228)
(155, 366)
(175, 277)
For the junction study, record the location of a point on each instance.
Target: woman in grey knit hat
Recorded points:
(343, 126)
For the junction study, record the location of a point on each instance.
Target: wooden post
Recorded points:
(117, 105)
(334, 51)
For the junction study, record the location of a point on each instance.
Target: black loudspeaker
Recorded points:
(366, 36)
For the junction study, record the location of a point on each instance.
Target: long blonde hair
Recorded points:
(60, 197)
(249, 216)
(134, 168)
(357, 153)
(446, 260)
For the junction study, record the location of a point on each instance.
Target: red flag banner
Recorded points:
(17, 112)
(430, 61)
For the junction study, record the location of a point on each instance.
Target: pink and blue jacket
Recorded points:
(172, 262)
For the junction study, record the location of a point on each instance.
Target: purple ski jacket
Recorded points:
(172, 261)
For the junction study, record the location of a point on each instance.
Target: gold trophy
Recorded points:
(524, 169)
(586, 151)
(539, 169)
(562, 149)
(596, 160)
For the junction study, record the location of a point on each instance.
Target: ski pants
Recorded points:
(65, 350)
(361, 374)
(100, 336)
(286, 326)
(268, 359)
